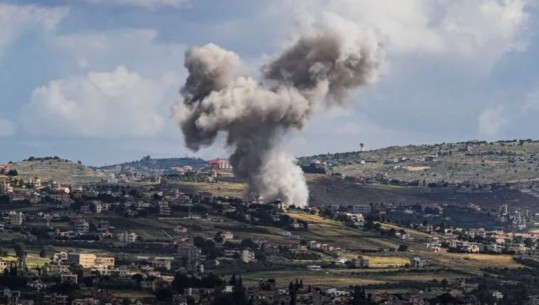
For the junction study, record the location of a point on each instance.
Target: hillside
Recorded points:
(333, 190)
(472, 162)
(149, 166)
(59, 170)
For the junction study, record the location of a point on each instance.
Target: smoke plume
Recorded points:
(317, 70)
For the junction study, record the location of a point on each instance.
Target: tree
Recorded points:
(12, 173)
(403, 248)
(43, 253)
(19, 250)
(529, 242)
(444, 283)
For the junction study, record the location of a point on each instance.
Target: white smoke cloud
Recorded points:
(482, 31)
(491, 120)
(114, 104)
(316, 70)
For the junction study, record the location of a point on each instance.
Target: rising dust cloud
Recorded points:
(319, 69)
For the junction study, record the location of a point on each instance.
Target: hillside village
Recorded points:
(186, 237)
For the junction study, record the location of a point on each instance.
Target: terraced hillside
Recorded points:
(327, 190)
(472, 162)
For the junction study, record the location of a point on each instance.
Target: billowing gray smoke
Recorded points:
(317, 70)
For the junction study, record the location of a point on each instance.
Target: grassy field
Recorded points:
(344, 278)
(33, 260)
(218, 189)
(387, 261)
(61, 171)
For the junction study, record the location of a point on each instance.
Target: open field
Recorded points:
(62, 171)
(218, 189)
(344, 278)
(32, 259)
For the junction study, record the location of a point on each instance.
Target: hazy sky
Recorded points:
(93, 80)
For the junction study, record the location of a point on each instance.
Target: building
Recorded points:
(362, 262)
(105, 261)
(55, 299)
(164, 209)
(361, 209)
(227, 235)
(59, 269)
(81, 226)
(69, 278)
(188, 255)
(16, 218)
(314, 268)
(164, 262)
(417, 262)
(219, 164)
(103, 225)
(6, 187)
(3, 266)
(86, 260)
(127, 237)
(247, 256)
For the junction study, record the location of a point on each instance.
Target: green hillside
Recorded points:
(475, 162)
(59, 170)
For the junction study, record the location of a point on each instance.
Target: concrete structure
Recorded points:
(3, 266)
(247, 256)
(81, 226)
(128, 237)
(219, 164)
(69, 278)
(86, 260)
(189, 255)
(59, 269)
(16, 218)
(362, 262)
(417, 262)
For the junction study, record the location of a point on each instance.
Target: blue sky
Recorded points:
(94, 80)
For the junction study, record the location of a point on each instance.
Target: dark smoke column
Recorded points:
(318, 70)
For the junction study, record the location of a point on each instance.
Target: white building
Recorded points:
(247, 256)
(128, 237)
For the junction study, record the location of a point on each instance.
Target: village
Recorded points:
(92, 244)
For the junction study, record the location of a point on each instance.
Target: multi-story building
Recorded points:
(105, 261)
(59, 269)
(82, 226)
(189, 255)
(86, 260)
